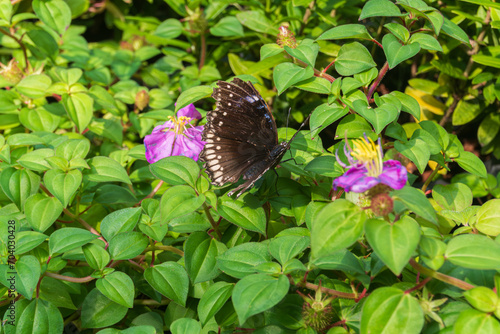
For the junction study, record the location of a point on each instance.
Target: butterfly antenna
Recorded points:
(300, 127)
(287, 118)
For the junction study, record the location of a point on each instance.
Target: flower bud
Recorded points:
(286, 37)
(382, 204)
(11, 72)
(141, 100)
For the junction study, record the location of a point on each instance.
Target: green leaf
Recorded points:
(98, 311)
(455, 196)
(397, 53)
(213, 299)
(80, 108)
(34, 85)
(287, 247)
(482, 299)
(39, 119)
(432, 252)
(192, 95)
(176, 170)
(54, 13)
(241, 260)
(353, 58)
(325, 165)
(488, 218)
(466, 111)
(125, 63)
(28, 274)
(257, 21)
(352, 126)
(69, 238)
(18, 184)
(341, 260)
(416, 150)
(325, 114)
(306, 51)
(28, 240)
(454, 31)
(245, 212)
(486, 60)
(399, 31)
(170, 279)
(338, 225)
(474, 251)
(471, 163)
(200, 252)
(170, 28)
(185, 326)
(56, 292)
(63, 185)
(118, 287)
(179, 201)
(346, 31)
(488, 129)
(97, 257)
(73, 148)
(401, 312)
(286, 75)
(35, 160)
(269, 50)
(379, 8)
(228, 26)
(127, 245)
(120, 221)
(473, 321)
(24, 139)
(315, 85)
(426, 42)
(42, 212)
(415, 200)
(393, 243)
(104, 169)
(107, 128)
(379, 117)
(257, 293)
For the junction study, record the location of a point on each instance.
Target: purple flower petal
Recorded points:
(189, 111)
(394, 174)
(355, 179)
(159, 145)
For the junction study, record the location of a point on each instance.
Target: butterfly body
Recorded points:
(241, 136)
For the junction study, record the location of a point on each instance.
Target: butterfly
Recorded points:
(241, 136)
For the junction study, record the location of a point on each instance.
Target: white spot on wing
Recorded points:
(252, 98)
(218, 147)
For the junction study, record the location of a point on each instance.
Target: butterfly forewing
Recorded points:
(241, 136)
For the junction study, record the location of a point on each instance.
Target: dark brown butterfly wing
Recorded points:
(240, 134)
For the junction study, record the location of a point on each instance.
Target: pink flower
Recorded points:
(177, 136)
(367, 169)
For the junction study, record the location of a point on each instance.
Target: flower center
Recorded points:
(179, 125)
(369, 154)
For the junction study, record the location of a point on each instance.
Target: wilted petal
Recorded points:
(394, 174)
(189, 111)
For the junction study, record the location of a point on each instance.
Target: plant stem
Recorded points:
(165, 248)
(152, 193)
(69, 278)
(21, 45)
(439, 276)
(419, 285)
(331, 292)
(430, 178)
(215, 226)
(450, 110)
(375, 84)
(203, 49)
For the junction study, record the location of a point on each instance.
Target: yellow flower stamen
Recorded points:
(368, 153)
(179, 124)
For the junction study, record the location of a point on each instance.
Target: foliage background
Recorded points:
(104, 240)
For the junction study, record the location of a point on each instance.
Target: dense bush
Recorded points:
(94, 236)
